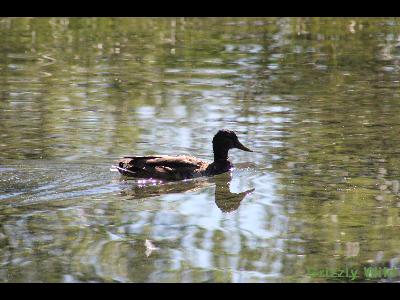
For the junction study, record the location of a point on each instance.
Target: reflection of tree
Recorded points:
(336, 143)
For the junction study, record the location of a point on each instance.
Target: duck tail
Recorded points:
(114, 168)
(123, 171)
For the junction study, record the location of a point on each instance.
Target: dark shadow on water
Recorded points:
(224, 198)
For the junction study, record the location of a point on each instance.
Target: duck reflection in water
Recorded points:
(224, 198)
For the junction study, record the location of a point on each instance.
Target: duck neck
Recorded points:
(220, 154)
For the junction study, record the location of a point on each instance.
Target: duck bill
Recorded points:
(240, 146)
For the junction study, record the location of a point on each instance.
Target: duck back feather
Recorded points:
(162, 167)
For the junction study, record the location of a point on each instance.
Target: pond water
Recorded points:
(317, 98)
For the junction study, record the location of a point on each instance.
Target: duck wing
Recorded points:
(162, 166)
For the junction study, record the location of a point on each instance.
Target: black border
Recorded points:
(193, 290)
(132, 8)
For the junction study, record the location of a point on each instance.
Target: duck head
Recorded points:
(225, 140)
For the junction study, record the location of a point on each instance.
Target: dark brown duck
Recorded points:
(183, 166)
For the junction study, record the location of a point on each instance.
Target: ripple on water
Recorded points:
(40, 180)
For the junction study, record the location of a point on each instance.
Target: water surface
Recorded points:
(318, 98)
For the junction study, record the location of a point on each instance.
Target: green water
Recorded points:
(318, 98)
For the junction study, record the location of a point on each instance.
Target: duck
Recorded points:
(181, 167)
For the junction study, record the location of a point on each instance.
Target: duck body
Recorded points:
(181, 167)
(170, 167)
